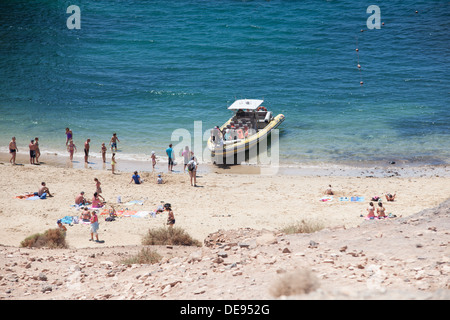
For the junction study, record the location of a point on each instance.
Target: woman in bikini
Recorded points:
(371, 210)
(380, 210)
(71, 148)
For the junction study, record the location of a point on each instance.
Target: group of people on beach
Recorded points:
(35, 153)
(71, 147)
(380, 211)
(190, 162)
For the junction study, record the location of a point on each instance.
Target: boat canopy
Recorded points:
(245, 104)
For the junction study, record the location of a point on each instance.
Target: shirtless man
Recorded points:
(13, 150)
(114, 141)
(80, 199)
(86, 150)
(43, 189)
(32, 147)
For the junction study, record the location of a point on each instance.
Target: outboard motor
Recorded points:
(268, 116)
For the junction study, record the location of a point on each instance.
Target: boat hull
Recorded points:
(241, 146)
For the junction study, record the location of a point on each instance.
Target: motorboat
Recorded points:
(250, 124)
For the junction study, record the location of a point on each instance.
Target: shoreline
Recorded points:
(359, 169)
(226, 198)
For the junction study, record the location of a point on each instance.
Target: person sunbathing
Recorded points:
(390, 197)
(80, 199)
(85, 215)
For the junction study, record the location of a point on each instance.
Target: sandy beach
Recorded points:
(225, 198)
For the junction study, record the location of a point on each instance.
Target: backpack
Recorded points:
(191, 166)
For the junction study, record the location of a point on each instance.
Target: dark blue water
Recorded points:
(144, 69)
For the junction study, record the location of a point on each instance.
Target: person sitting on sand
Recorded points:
(371, 210)
(96, 202)
(85, 215)
(329, 191)
(43, 191)
(390, 197)
(61, 227)
(136, 178)
(80, 199)
(380, 210)
(160, 180)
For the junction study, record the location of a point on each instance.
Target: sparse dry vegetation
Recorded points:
(145, 256)
(169, 236)
(302, 227)
(301, 281)
(52, 238)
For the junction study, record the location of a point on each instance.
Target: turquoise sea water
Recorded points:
(146, 68)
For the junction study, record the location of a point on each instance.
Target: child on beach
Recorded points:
(153, 156)
(136, 178)
(159, 180)
(61, 227)
(97, 186)
(13, 150)
(103, 152)
(170, 217)
(113, 142)
(113, 162)
(71, 148)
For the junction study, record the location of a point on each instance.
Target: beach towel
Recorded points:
(67, 220)
(141, 214)
(139, 202)
(33, 198)
(327, 198)
(125, 213)
(344, 199)
(25, 196)
(357, 199)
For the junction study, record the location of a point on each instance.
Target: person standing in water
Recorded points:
(71, 148)
(13, 150)
(113, 142)
(69, 135)
(86, 150)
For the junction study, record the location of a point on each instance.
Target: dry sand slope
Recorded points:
(247, 257)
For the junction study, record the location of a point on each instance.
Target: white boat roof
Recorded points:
(245, 104)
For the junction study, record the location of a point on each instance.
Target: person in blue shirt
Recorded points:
(169, 152)
(136, 178)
